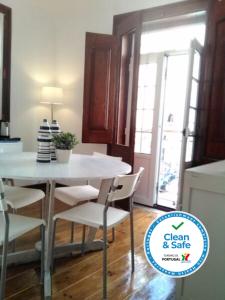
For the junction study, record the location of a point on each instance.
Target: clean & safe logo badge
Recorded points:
(176, 244)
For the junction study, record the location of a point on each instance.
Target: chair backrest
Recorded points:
(124, 186)
(3, 204)
(106, 156)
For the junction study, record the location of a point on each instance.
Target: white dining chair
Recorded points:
(105, 217)
(13, 226)
(19, 197)
(73, 195)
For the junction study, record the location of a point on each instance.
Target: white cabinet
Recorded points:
(15, 147)
(204, 197)
(10, 147)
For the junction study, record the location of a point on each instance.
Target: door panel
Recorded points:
(191, 112)
(149, 92)
(99, 88)
(210, 123)
(173, 111)
(128, 32)
(218, 92)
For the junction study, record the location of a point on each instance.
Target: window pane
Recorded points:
(196, 66)
(141, 75)
(147, 74)
(147, 120)
(145, 106)
(151, 73)
(176, 38)
(146, 143)
(175, 97)
(192, 120)
(190, 148)
(194, 94)
(139, 119)
(140, 99)
(149, 97)
(137, 142)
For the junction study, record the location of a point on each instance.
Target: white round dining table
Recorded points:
(23, 166)
(80, 167)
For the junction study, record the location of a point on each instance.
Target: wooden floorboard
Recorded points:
(80, 278)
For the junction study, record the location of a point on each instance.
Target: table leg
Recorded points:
(22, 257)
(91, 244)
(45, 203)
(49, 241)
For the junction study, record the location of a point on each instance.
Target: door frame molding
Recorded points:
(160, 13)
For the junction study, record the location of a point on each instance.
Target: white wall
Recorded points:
(33, 64)
(48, 41)
(72, 21)
(122, 6)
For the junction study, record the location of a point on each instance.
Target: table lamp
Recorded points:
(52, 96)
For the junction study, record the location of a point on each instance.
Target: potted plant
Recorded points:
(64, 142)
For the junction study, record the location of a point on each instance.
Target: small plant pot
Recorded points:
(63, 156)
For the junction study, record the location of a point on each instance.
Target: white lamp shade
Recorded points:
(51, 95)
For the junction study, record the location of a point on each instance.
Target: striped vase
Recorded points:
(44, 142)
(55, 129)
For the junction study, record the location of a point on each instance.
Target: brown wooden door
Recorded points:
(99, 88)
(128, 32)
(211, 121)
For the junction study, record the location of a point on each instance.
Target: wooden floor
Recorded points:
(80, 278)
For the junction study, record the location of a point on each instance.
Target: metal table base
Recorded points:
(63, 250)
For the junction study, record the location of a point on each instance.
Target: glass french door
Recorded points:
(191, 110)
(177, 129)
(147, 120)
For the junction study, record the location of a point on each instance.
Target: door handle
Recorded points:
(185, 132)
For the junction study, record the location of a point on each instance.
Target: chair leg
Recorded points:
(4, 261)
(53, 245)
(42, 213)
(83, 240)
(105, 265)
(72, 233)
(132, 238)
(113, 229)
(105, 244)
(42, 228)
(14, 211)
(113, 235)
(3, 271)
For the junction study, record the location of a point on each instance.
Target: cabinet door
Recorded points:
(211, 123)
(99, 88)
